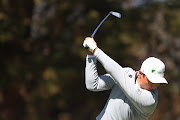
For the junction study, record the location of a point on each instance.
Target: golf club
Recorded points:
(110, 13)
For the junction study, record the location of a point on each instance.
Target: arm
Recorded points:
(92, 80)
(111, 67)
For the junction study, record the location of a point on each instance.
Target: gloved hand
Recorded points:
(90, 44)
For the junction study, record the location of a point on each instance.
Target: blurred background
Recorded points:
(42, 60)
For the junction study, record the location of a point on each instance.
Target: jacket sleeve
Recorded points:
(92, 80)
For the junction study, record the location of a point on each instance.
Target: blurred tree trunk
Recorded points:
(43, 12)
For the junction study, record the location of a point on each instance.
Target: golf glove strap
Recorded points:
(90, 44)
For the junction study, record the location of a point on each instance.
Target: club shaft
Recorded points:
(100, 25)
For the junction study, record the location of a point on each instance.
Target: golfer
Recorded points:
(133, 94)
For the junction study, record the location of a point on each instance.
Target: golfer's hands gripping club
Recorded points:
(90, 44)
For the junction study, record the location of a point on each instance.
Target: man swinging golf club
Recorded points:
(133, 94)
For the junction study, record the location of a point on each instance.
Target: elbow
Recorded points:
(88, 86)
(91, 86)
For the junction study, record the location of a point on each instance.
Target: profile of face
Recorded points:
(145, 83)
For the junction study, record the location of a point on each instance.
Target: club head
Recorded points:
(116, 14)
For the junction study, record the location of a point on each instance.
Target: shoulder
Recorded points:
(129, 71)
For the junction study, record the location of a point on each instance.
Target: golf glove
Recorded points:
(90, 44)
